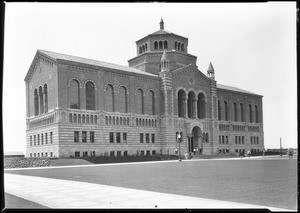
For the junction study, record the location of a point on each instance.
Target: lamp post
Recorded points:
(178, 139)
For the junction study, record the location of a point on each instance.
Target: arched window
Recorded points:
(95, 119)
(219, 110)
(143, 47)
(46, 97)
(175, 45)
(235, 111)
(74, 94)
(256, 114)
(92, 119)
(36, 102)
(146, 47)
(226, 110)
(179, 46)
(83, 119)
(151, 105)
(160, 44)
(87, 119)
(242, 112)
(140, 50)
(79, 118)
(139, 102)
(155, 45)
(41, 100)
(165, 44)
(109, 98)
(182, 47)
(75, 118)
(90, 95)
(250, 113)
(70, 118)
(123, 100)
(181, 103)
(191, 104)
(207, 138)
(201, 106)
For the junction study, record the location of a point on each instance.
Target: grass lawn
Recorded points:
(269, 182)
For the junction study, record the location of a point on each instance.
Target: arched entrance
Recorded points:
(195, 140)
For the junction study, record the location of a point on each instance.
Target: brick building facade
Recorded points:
(81, 107)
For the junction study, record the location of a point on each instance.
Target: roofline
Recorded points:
(238, 91)
(161, 51)
(162, 34)
(68, 62)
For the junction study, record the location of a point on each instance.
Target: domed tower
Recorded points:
(150, 50)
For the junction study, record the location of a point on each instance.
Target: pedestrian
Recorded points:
(195, 151)
(290, 154)
(249, 153)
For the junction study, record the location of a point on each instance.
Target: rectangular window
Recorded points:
(46, 138)
(251, 141)
(227, 150)
(34, 154)
(119, 154)
(77, 154)
(153, 152)
(92, 137)
(30, 140)
(118, 137)
(239, 139)
(34, 140)
(42, 154)
(51, 154)
(147, 138)
(38, 139)
(111, 137)
(236, 139)
(42, 138)
(141, 137)
(148, 152)
(38, 154)
(84, 137)
(76, 136)
(92, 153)
(84, 153)
(112, 153)
(236, 150)
(31, 155)
(243, 139)
(257, 140)
(51, 137)
(125, 153)
(46, 154)
(153, 138)
(223, 139)
(142, 153)
(219, 139)
(226, 139)
(124, 137)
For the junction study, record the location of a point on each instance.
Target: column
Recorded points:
(184, 107)
(194, 108)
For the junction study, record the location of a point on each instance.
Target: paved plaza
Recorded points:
(251, 183)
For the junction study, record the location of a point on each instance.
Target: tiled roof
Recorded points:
(55, 56)
(221, 86)
(163, 32)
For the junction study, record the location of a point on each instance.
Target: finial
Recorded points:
(161, 23)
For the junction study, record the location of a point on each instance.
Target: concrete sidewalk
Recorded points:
(56, 193)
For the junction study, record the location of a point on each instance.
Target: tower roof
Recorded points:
(164, 56)
(161, 24)
(210, 68)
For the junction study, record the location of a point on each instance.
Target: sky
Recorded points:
(252, 46)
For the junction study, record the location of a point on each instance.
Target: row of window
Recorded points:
(78, 118)
(238, 128)
(39, 139)
(84, 137)
(191, 105)
(40, 100)
(223, 112)
(160, 45)
(143, 48)
(241, 151)
(115, 120)
(254, 140)
(238, 139)
(42, 154)
(146, 122)
(147, 137)
(114, 153)
(241, 128)
(118, 138)
(110, 98)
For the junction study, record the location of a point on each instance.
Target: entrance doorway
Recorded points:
(195, 141)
